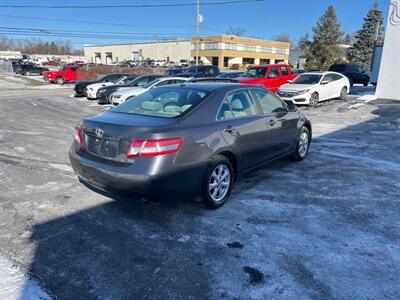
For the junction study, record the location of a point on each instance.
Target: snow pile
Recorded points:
(368, 98)
(15, 285)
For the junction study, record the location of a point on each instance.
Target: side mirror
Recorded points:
(324, 82)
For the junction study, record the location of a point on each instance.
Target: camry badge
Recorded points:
(99, 132)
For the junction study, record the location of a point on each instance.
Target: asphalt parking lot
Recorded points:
(324, 228)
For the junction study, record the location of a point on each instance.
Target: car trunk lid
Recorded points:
(110, 135)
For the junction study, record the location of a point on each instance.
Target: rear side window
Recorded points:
(268, 102)
(163, 102)
(336, 76)
(284, 71)
(237, 104)
(273, 73)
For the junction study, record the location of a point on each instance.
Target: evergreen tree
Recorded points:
(323, 50)
(371, 32)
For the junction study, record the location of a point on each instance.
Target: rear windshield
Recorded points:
(162, 102)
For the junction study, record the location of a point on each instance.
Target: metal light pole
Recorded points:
(197, 30)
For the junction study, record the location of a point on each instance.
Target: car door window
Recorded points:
(336, 77)
(164, 82)
(237, 104)
(284, 71)
(328, 77)
(269, 103)
(273, 73)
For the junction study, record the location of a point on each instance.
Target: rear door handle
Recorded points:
(230, 129)
(271, 123)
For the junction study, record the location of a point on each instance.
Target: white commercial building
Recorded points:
(173, 50)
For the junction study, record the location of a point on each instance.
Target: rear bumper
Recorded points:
(179, 182)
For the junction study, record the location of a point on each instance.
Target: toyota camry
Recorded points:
(187, 140)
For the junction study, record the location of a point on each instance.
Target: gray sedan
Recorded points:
(187, 140)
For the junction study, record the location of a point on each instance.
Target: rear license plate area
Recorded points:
(101, 146)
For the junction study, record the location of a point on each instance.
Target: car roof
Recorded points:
(207, 87)
(268, 65)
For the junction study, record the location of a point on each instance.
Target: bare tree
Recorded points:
(283, 37)
(239, 31)
(37, 46)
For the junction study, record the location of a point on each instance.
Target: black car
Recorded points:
(29, 69)
(231, 74)
(187, 139)
(355, 73)
(200, 71)
(104, 93)
(81, 85)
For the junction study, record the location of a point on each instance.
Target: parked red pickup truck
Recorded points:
(271, 76)
(67, 73)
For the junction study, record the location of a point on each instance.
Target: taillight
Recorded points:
(78, 136)
(154, 147)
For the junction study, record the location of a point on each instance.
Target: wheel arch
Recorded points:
(232, 158)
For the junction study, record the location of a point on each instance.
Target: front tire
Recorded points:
(218, 182)
(303, 144)
(314, 99)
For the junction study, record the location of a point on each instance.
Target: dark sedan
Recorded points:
(187, 140)
(30, 70)
(104, 93)
(81, 85)
(231, 74)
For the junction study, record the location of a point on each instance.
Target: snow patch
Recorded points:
(368, 98)
(62, 167)
(14, 284)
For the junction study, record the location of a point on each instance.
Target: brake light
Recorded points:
(154, 147)
(78, 136)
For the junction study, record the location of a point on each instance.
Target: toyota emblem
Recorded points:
(99, 132)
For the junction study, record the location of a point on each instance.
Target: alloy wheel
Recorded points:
(219, 183)
(303, 144)
(314, 99)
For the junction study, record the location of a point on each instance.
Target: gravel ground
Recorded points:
(324, 228)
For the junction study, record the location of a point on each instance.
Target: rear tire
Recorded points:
(60, 80)
(217, 183)
(343, 93)
(314, 99)
(303, 144)
(366, 82)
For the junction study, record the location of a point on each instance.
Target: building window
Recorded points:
(280, 51)
(196, 46)
(265, 50)
(248, 60)
(230, 46)
(265, 61)
(211, 46)
(250, 48)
